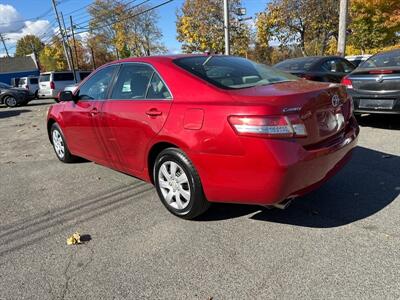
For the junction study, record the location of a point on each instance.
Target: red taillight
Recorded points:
(52, 85)
(381, 72)
(347, 82)
(269, 126)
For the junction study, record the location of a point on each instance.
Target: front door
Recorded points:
(134, 114)
(84, 119)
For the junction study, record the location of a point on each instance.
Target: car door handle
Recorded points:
(153, 112)
(94, 111)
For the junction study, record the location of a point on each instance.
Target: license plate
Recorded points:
(376, 103)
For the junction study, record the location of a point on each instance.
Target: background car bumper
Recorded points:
(377, 101)
(272, 170)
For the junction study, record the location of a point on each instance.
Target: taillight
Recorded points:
(269, 126)
(52, 85)
(347, 82)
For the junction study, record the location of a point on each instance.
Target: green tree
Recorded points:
(200, 27)
(374, 23)
(130, 29)
(308, 24)
(29, 44)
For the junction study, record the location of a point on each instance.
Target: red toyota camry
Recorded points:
(207, 129)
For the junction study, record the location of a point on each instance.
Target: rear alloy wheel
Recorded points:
(178, 184)
(59, 145)
(10, 101)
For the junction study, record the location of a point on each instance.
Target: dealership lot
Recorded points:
(341, 241)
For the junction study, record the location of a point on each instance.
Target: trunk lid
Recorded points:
(323, 108)
(382, 79)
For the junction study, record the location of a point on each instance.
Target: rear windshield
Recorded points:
(230, 72)
(301, 64)
(22, 81)
(63, 77)
(382, 60)
(44, 77)
(33, 80)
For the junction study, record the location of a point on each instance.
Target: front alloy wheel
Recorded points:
(10, 101)
(178, 184)
(59, 145)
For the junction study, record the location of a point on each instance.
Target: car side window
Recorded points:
(331, 66)
(133, 81)
(157, 89)
(96, 87)
(346, 66)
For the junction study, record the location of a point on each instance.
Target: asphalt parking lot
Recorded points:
(341, 241)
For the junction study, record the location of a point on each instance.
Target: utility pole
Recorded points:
(73, 38)
(69, 49)
(226, 27)
(4, 44)
(342, 27)
(62, 35)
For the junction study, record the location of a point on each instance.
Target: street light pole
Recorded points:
(226, 27)
(342, 27)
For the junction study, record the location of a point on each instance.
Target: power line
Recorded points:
(126, 18)
(103, 19)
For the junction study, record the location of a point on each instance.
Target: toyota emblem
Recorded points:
(335, 100)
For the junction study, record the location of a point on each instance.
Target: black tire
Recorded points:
(10, 101)
(197, 203)
(67, 157)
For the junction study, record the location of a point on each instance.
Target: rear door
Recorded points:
(82, 117)
(136, 111)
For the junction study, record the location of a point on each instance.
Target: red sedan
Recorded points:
(207, 129)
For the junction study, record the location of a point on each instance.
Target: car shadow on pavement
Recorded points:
(12, 113)
(369, 183)
(383, 121)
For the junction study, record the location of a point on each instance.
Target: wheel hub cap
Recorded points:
(174, 185)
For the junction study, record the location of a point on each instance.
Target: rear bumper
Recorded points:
(376, 100)
(272, 170)
(44, 94)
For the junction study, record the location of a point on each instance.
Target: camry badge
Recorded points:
(335, 100)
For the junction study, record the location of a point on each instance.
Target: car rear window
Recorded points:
(301, 64)
(44, 77)
(383, 60)
(22, 81)
(33, 80)
(63, 77)
(230, 72)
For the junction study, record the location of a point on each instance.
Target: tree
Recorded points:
(29, 44)
(132, 30)
(309, 24)
(374, 23)
(200, 27)
(52, 57)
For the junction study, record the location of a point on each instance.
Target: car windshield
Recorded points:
(4, 85)
(382, 60)
(298, 64)
(230, 72)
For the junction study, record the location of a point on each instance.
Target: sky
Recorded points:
(22, 17)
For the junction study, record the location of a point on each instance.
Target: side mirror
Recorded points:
(65, 96)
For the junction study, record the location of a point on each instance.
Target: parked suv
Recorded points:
(51, 83)
(31, 84)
